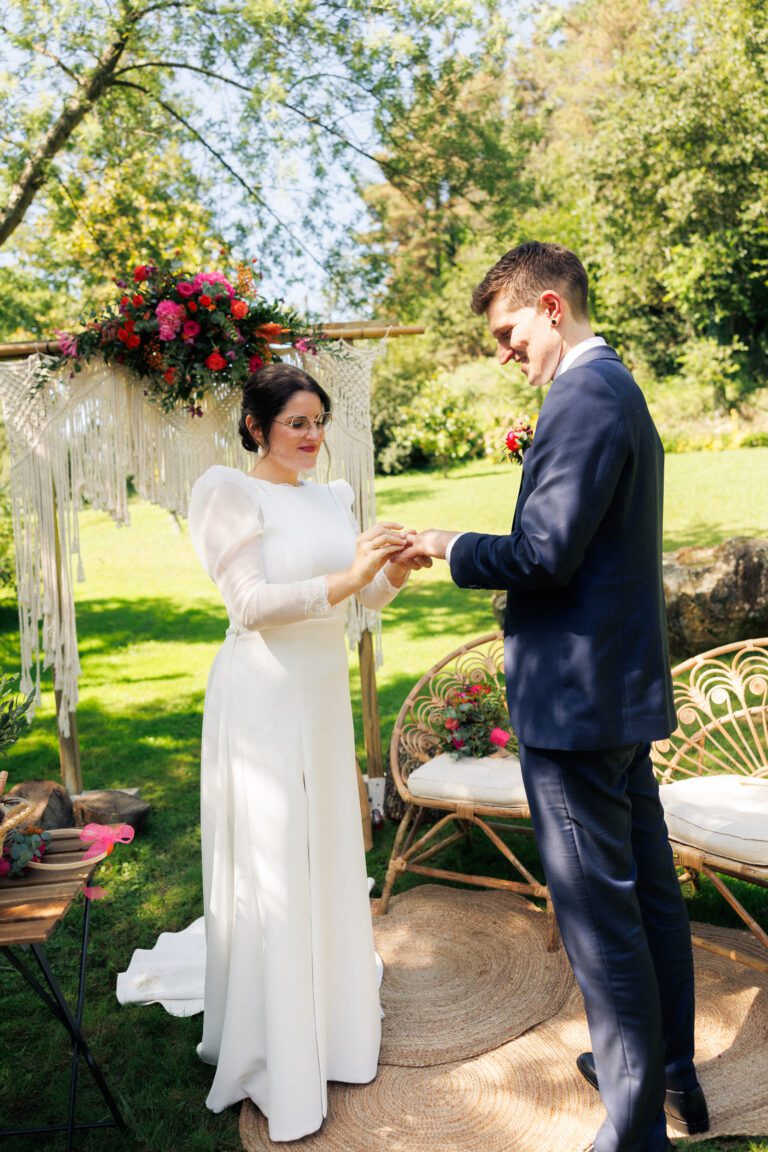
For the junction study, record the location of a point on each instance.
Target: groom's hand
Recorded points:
(431, 542)
(414, 560)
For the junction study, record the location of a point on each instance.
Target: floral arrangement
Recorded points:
(21, 846)
(473, 719)
(518, 439)
(184, 333)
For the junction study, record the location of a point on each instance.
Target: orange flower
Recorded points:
(270, 331)
(239, 309)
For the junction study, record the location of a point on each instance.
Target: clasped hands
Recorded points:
(401, 547)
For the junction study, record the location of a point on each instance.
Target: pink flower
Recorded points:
(499, 737)
(457, 743)
(184, 288)
(67, 343)
(304, 345)
(170, 317)
(255, 363)
(190, 330)
(451, 725)
(5, 866)
(212, 278)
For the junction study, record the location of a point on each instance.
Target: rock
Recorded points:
(110, 806)
(52, 805)
(499, 607)
(716, 595)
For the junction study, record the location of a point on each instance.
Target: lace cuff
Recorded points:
(315, 593)
(382, 582)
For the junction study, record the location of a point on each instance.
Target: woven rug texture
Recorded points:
(482, 1028)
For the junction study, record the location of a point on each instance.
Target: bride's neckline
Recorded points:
(277, 483)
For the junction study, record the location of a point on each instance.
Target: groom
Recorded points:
(589, 687)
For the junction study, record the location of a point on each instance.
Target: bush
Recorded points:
(7, 556)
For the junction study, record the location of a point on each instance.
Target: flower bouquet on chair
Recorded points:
(476, 721)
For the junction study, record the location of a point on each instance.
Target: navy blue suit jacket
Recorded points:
(586, 655)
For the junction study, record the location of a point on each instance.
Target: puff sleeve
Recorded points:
(226, 528)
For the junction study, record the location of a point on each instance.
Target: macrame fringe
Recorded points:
(78, 439)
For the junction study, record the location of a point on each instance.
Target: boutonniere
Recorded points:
(518, 439)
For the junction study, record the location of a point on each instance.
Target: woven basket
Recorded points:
(14, 810)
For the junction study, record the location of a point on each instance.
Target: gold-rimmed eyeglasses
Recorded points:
(302, 423)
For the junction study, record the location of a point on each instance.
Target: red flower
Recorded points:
(205, 301)
(191, 306)
(141, 272)
(499, 737)
(451, 725)
(124, 302)
(138, 300)
(169, 375)
(457, 743)
(513, 443)
(255, 363)
(239, 309)
(215, 361)
(133, 340)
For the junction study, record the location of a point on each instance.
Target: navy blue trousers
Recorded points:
(600, 829)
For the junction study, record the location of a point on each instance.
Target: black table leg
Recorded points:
(54, 999)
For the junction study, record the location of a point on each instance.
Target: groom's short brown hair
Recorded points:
(525, 272)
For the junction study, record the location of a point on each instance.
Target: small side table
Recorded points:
(30, 909)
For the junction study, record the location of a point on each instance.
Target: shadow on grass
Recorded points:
(703, 535)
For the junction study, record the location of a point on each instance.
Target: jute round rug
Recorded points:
(464, 972)
(526, 1095)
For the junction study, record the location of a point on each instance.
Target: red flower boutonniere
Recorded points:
(518, 439)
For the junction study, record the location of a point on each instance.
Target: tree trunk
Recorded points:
(37, 167)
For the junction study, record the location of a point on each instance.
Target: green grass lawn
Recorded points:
(149, 623)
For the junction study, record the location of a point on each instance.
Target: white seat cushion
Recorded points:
(726, 815)
(490, 780)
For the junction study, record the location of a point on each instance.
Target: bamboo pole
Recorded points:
(332, 330)
(370, 701)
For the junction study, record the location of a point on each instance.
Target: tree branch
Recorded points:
(76, 108)
(249, 188)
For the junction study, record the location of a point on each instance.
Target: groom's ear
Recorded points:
(553, 304)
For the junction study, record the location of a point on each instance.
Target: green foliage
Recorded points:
(660, 149)
(7, 552)
(435, 427)
(12, 712)
(133, 129)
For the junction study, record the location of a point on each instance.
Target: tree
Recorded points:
(230, 101)
(655, 117)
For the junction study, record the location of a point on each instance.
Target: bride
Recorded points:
(291, 998)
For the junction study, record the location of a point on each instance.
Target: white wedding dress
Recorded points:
(291, 992)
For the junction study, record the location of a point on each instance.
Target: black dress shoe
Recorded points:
(669, 1147)
(687, 1109)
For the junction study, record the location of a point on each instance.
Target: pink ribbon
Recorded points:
(105, 837)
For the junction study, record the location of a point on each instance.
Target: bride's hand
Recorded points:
(373, 548)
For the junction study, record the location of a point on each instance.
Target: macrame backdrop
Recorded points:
(78, 439)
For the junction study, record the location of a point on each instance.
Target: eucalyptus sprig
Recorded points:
(13, 711)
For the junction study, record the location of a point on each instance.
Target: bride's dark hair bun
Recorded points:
(266, 394)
